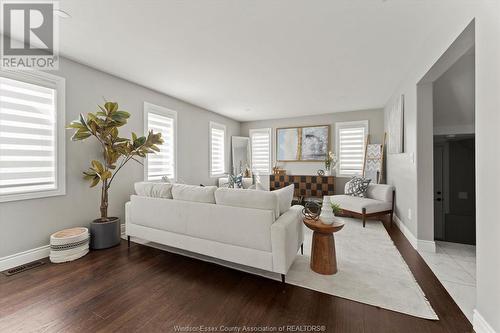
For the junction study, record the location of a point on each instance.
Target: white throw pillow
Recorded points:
(285, 197)
(247, 199)
(155, 190)
(194, 193)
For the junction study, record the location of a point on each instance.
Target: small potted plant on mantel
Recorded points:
(116, 152)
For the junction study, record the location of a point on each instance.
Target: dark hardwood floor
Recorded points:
(147, 290)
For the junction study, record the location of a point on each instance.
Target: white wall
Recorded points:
(453, 95)
(27, 224)
(402, 169)
(375, 118)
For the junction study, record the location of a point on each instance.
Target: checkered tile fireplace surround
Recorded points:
(305, 186)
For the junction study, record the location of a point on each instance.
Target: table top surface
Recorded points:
(319, 226)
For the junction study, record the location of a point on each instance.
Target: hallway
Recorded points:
(454, 265)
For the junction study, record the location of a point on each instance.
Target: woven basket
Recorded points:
(69, 244)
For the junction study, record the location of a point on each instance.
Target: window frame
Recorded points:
(268, 131)
(214, 125)
(59, 85)
(349, 124)
(164, 112)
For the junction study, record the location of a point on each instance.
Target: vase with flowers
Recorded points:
(330, 163)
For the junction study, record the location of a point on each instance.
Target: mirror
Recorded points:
(241, 155)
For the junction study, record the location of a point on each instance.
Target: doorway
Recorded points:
(454, 189)
(445, 169)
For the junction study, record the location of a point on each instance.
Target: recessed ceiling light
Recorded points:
(61, 13)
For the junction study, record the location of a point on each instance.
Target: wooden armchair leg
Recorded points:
(364, 217)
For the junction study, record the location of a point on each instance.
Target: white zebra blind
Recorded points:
(161, 163)
(351, 138)
(217, 149)
(260, 140)
(28, 138)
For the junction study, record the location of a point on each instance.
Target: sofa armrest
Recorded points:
(287, 234)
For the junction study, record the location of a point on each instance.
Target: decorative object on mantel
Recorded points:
(330, 163)
(278, 171)
(306, 144)
(116, 152)
(69, 244)
(321, 172)
(373, 166)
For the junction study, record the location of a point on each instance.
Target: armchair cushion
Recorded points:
(380, 192)
(356, 204)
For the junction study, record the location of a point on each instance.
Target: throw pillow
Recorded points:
(357, 186)
(238, 181)
(235, 181)
(165, 179)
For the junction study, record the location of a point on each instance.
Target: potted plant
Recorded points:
(116, 152)
(336, 209)
(330, 163)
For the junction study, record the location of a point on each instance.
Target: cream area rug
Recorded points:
(370, 270)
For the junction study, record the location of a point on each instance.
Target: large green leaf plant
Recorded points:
(116, 151)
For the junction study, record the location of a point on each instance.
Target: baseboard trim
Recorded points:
(418, 244)
(408, 234)
(480, 325)
(24, 257)
(426, 245)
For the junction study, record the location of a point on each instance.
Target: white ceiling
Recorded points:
(255, 59)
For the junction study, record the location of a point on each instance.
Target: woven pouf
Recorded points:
(69, 244)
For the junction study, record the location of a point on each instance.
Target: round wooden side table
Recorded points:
(323, 259)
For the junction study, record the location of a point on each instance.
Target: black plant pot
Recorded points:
(104, 235)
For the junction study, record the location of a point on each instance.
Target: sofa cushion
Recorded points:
(242, 227)
(248, 199)
(380, 192)
(155, 190)
(194, 193)
(356, 204)
(285, 197)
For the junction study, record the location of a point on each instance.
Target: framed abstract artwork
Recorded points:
(396, 126)
(306, 144)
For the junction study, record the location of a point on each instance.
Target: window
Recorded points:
(217, 149)
(162, 163)
(32, 134)
(351, 138)
(260, 140)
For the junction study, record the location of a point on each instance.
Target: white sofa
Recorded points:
(253, 228)
(378, 201)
